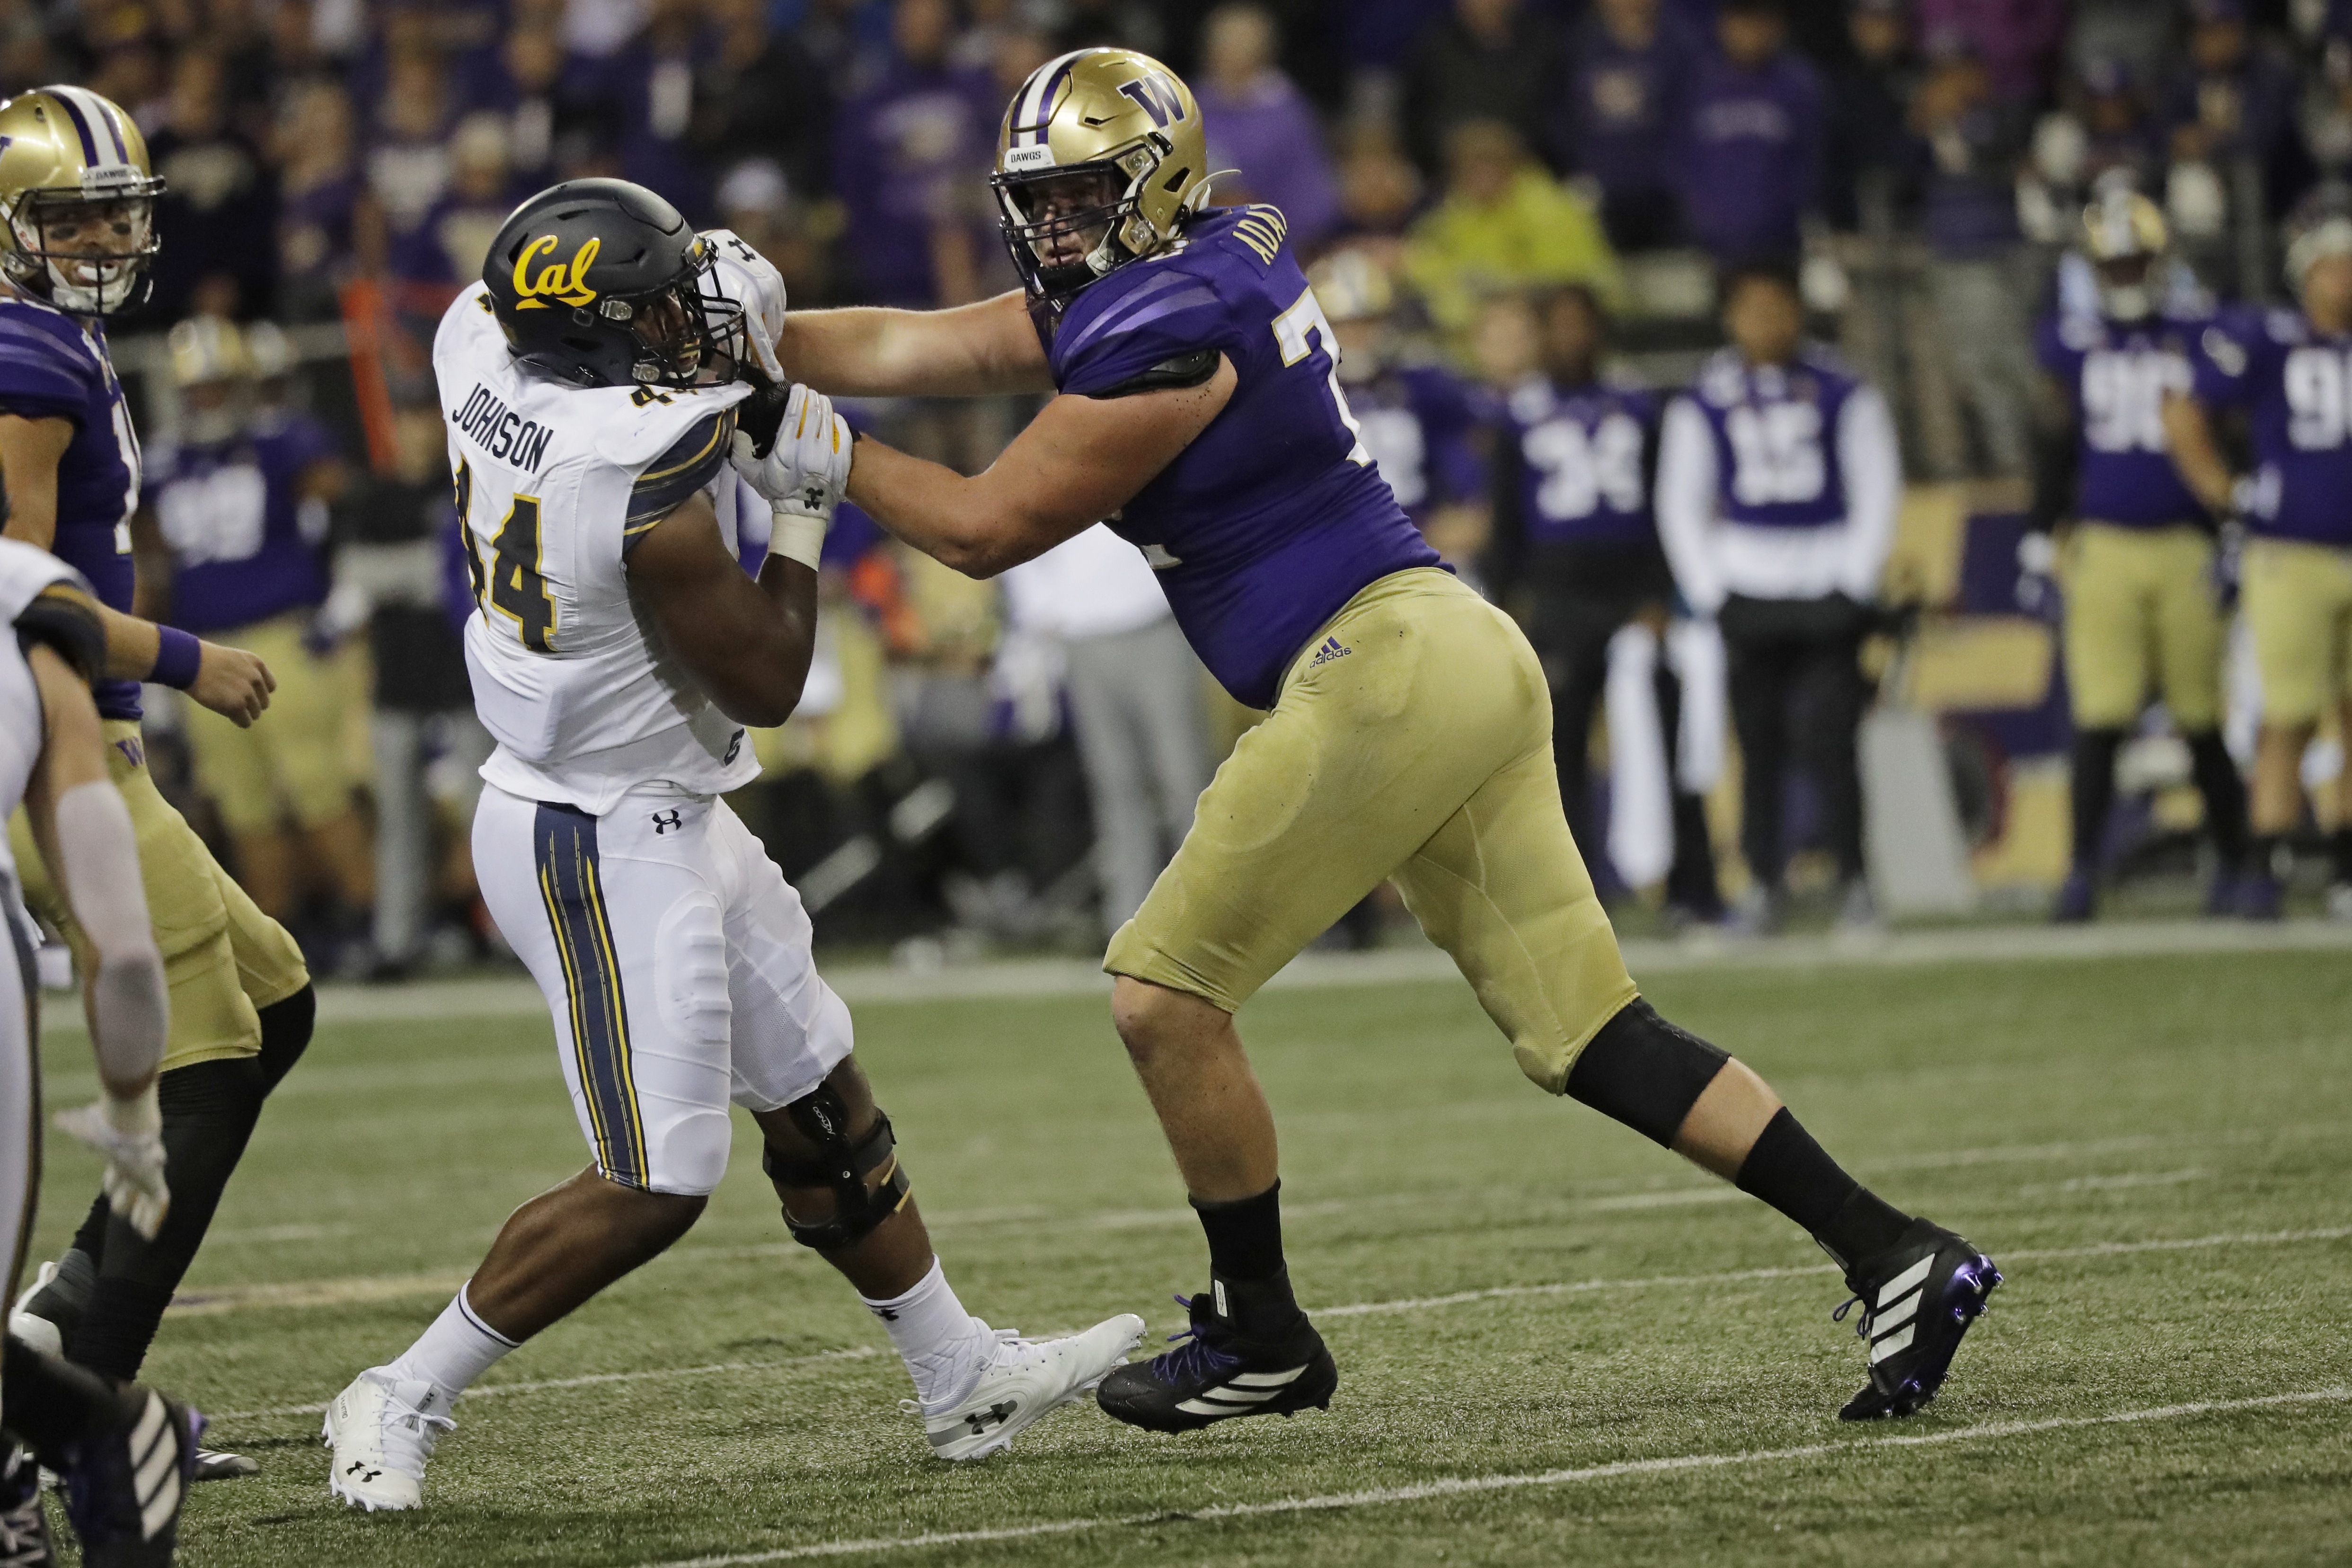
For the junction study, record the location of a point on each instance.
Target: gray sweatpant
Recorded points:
(1135, 701)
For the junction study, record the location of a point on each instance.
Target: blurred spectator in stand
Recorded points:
(219, 198)
(401, 574)
(319, 194)
(759, 203)
(1418, 421)
(24, 54)
(654, 88)
(760, 95)
(1749, 159)
(1633, 62)
(1966, 146)
(1135, 693)
(1863, 186)
(545, 123)
(251, 75)
(244, 513)
(2231, 111)
(1486, 60)
(447, 245)
(2118, 133)
(2018, 40)
(1259, 124)
(1379, 192)
(1126, 23)
(910, 164)
(1576, 558)
(408, 162)
(1505, 224)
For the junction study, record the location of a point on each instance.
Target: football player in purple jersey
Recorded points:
(76, 197)
(2289, 373)
(1199, 410)
(2142, 618)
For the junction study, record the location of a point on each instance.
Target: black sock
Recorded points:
(1787, 1170)
(2339, 854)
(2266, 859)
(2224, 789)
(1244, 1236)
(2093, 789)
(52, 1405)
(61, 1301)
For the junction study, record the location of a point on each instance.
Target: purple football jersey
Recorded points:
(1274, 516)
(2118, 375)
(246, 545)
(1584, 462)
(1776, 433)
(1420, 429)
(2296, 387)
(52, 367)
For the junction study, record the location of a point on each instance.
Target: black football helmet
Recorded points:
(603, 283)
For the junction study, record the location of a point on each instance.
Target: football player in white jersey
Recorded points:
(127, 1453)
(592, 392)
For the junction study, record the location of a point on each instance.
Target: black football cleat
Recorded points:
(24, 1529)
(1217, 1373)
(1919, 1298)
(124, 1486)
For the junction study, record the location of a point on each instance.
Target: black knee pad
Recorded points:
(843, 1163)
(1644, 1071)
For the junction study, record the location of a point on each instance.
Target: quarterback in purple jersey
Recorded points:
(1199, 410)
(2141, 617)
(2289, 374)
(76, 236)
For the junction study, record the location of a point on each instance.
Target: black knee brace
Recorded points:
(1644, 1071)
(843, 1163)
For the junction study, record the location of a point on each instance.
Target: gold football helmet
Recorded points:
(1100, 160)
(2123, 237)
(77, 201)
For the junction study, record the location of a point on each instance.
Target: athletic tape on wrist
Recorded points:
(798, 537)
(178, 654)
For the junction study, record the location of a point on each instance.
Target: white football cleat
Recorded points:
(38, 1333)
(382, 1431)
(1025, 1381)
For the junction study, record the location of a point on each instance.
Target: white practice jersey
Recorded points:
(25, 570)
(555, 483)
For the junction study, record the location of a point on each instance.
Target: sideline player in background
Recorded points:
(2136, 559)
(1199, 408)
(126, 1453)
(75, 236)
(242, 508)
(618, 651)
(2290, 372)
(1575, 556)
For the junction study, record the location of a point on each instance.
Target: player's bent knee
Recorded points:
(1644, 1071)
(842, 1181)
(1149, 1017)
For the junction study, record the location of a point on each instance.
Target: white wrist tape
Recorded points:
(136, 1117)
(798, 537)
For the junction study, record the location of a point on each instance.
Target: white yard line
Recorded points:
(1464, 1485)
(1418, 1304)
(876, 984)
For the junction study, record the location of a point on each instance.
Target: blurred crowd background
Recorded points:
(337, 168)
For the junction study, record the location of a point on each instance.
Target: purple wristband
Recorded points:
(177, 654)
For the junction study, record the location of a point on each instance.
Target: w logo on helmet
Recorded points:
(556, 279)
(1157, 96)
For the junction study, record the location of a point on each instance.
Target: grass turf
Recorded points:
(734, 1399)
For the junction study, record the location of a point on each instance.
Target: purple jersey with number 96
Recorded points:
(2295, 384)
(1274, 516)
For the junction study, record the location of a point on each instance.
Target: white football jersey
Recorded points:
(569, 673)
(24, 571)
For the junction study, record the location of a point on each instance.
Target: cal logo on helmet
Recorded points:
(555, 280)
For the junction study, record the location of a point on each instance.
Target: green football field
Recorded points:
(1557, 1343)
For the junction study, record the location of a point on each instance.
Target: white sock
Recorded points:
(458, 1348)
(945, 1348)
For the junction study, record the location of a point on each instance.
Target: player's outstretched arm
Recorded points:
(228, 681)
(2196, 453)
(868, 351)
(86, 838)
(747, 642)
(1079, 461)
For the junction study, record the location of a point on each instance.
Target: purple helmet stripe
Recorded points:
(1041, 105)
(89, 142)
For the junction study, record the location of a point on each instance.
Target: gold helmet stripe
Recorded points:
(1032, 107)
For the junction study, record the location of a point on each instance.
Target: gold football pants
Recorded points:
(296, 762)
(223, 958)
(2298, 603)
(2141, 621)
(1412, 739)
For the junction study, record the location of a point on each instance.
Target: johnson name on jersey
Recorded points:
(2118, 375)
(55, 366)
(554, 485)
(2295, 386)
(1274, 516)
